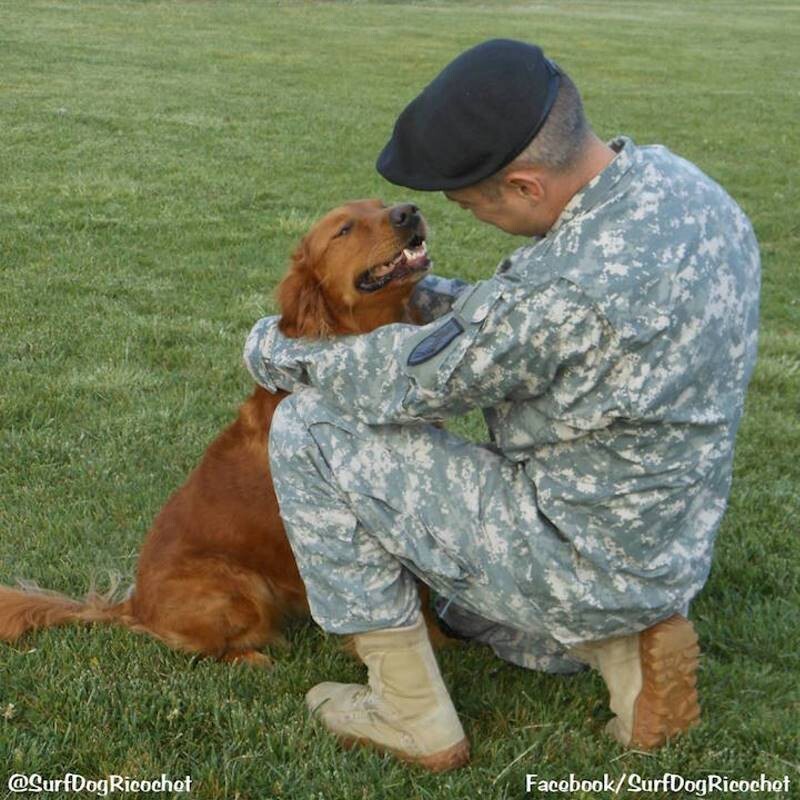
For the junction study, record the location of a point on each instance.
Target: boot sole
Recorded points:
(443, 761)
(667, 704)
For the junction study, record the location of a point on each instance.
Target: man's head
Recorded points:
(526, 196)
(501, 131)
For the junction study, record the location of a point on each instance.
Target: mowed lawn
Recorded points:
(158, 162)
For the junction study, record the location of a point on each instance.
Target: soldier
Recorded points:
(610, 355)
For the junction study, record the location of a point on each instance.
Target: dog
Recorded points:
(216, 575)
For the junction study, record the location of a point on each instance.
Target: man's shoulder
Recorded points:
(663, 232)
(682, 183)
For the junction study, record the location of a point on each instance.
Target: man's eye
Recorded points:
(345, 229)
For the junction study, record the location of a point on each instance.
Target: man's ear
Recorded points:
(304, 311)
(527, 183)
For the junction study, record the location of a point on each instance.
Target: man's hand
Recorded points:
(271, 357)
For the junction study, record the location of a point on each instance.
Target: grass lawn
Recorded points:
(158, 161)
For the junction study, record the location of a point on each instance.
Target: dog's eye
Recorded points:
(345, 229)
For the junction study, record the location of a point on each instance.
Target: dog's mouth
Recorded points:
(411, 260)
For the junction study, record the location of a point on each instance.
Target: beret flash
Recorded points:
(475, 117)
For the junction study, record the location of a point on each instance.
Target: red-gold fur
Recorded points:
(216, 575)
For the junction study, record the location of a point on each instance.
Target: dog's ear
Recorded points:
(301, 301)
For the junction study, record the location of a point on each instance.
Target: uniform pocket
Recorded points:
(431, 357)
(474, 305)
(409, 539)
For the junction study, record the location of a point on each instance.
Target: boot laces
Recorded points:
(364, 697)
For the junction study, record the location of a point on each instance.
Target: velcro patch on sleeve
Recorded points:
(435, 342)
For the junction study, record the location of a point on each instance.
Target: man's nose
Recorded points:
(404, 216)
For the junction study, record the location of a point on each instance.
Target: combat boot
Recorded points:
(651, 679)
(405, 710)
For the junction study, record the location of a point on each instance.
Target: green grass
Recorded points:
(158, 161)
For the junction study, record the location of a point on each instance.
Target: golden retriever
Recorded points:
(216, 575)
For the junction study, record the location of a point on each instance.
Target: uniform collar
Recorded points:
(599, 187)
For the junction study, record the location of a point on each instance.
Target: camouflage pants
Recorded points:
(367, 508)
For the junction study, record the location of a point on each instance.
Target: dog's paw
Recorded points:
(251, 658)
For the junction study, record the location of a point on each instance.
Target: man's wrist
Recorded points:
(258, 352)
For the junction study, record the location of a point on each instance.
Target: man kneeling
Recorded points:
(610, 355)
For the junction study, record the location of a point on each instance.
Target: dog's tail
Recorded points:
(29, 608)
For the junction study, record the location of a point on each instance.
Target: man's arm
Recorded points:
(434, 296)
(500, 342)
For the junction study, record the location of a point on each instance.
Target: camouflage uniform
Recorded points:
(610, 358)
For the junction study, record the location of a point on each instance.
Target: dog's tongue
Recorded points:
(385, 269)
(409, 257)
(406, 261)
(415, 255)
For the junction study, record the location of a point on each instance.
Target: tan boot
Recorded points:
(651, 680)
(405, 710)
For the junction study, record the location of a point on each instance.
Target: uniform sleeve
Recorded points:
(498, 343)
(434, 296)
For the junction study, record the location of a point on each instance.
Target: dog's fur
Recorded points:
(216, 575)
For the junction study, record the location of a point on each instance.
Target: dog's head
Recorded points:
(354, 270)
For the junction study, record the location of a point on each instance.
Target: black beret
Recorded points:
(476, 116)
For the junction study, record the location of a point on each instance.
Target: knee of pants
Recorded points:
(290, 428)
(288, 431)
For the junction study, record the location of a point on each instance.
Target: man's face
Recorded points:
(518, 203)
(505, 206)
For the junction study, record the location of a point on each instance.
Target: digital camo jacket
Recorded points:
(610, 358)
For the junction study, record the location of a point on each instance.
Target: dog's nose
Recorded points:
(404, 216)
